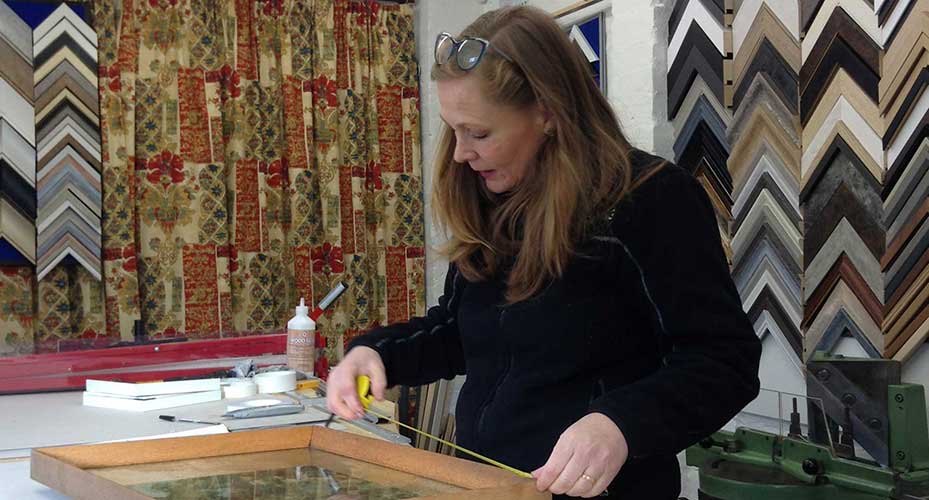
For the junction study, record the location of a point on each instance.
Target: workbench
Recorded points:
(55, 419)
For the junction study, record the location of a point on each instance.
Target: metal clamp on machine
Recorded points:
(866, 439)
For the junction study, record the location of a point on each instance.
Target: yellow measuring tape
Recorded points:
(364, 393)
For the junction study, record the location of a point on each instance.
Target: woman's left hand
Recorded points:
(586, 458)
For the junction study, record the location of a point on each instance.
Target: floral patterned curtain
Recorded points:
(255, 152)
(17, 310)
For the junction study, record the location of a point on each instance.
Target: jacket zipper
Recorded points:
(483, 410)
(597, 390)
(493, 393)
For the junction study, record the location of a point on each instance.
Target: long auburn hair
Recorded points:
(582, 169)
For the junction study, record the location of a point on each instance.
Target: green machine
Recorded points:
(866, 438)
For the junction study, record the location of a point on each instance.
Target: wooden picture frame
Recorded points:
(76, 470)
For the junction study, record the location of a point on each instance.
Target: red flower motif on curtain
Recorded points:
(169, 332)
(276, 175)
(327, 259)
(325, 90)
(373, 179)
(112, 75)
(130, 264)
(228, 80)
(273, 8)
(322, 368)
(233, 259)
(367, 13)
(165, 169)
(162, 4)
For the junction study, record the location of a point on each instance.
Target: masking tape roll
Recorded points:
(271, 382)
(240, 389)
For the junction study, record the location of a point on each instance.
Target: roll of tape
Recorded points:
(271, 382)
(240, 389)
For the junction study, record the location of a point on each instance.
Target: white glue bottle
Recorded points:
(301, 340)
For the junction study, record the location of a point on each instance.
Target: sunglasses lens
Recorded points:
(469, 54)
(444, 47)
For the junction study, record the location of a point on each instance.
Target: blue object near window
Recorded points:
(588, 37)
(33, 13)
(10, 256)
(591, 30)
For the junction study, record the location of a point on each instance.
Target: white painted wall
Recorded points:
(637, 62)
(432, 17)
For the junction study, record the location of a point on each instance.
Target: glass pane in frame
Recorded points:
(285, 474)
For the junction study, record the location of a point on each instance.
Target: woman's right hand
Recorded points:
(341, 392)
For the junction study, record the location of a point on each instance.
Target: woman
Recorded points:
(588, 299)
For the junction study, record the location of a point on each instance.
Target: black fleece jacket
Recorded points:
(645, 327)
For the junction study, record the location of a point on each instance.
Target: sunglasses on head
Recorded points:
(467, 52)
